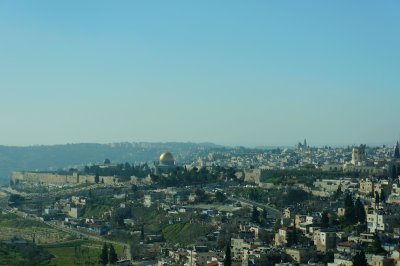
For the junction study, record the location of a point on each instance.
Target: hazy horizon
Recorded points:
(289, 145)
(238, 74)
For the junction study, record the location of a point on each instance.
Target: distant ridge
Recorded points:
(53, 157)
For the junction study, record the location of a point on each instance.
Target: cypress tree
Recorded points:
(382, 196)
(338, 192)
(349, 210)
(228, 258)
(396, 154)
(295, 238)
(359, 259)
(113, 258)
(325, 220)
(393, 172)
(104, 255)
(359, 212)
(255, 216)
(376, 199)
(142, 233)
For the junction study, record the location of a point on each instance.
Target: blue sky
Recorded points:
(229, 72)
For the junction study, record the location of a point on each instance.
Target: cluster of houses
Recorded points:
(345, 159)
(301, 238)
(68, 212)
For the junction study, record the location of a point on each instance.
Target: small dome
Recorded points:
(166, 157)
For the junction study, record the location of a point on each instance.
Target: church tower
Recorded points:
(396, 152)
(358, 155)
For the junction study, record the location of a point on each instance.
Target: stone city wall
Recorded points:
(86, 179)
(108, 179)
(51, 178)
(47, 178)
(56, 179)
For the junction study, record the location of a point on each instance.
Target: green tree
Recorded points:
(15, 198)
(393, 172)
(295, 196)
(349, 214)
(359, 212)
(104, 255)
(134, 188)
(112, 256)
(295, 237)
(265, 213)
(96, 178)
(359, 259)
(329, 257)
(338, 192)
(382, 196)
(278, 224)
(135, 248)
(325, 219)
(255, 216)
(265, 237)
(220, 197)
(376, 246)
(142, 233)
(376, 199)
(201, 195)
(228, 258)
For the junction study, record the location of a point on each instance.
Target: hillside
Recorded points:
(186, 232)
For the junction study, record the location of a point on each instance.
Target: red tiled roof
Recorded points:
(346, 244)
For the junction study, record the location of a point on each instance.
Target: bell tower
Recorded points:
(396, 152)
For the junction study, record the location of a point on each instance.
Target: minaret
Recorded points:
(396, 153)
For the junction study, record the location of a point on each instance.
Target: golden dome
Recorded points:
(167, 157)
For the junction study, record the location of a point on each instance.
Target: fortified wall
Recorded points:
(56, 179)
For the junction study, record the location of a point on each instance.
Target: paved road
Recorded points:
(274, 213)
